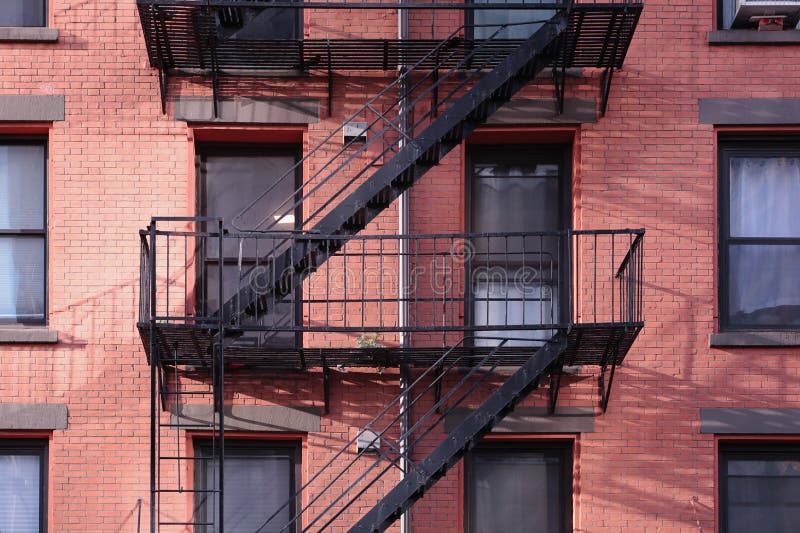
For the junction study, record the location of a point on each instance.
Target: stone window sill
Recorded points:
(760, 339)
(32, 335)
(23, 34)
(734, 37)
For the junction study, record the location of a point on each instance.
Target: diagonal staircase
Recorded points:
(443, 127)
(333, 489)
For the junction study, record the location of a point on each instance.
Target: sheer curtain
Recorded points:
(19, 493)
(763, 276)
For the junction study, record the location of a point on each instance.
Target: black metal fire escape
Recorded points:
(448, 87)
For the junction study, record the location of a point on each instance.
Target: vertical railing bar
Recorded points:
(155, 494)
(186, 309)
(506, 281)
(524, 277)
(327, 290)
(612, 266)
(344, 285)
(167, 278)
(221, 415)
(594, 280)
(364, 278)
(434, 281)
(488, 277)
(380, 281)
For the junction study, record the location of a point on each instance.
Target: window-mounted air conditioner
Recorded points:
(748, 12)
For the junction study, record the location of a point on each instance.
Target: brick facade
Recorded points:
(115, 160)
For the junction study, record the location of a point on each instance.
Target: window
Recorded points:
(260, 23)
(517, 280)
(23, 13)
(22, 231)
(488, 21)
(230, 178)
(531, 483)
(260, 477)
(759, 235)
(759, 488)
(736, 14)
(23, 486)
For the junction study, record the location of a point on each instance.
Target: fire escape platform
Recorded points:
(183, 36)
(185, 345)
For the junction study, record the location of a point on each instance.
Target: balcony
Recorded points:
(226, 39)
(383, 300)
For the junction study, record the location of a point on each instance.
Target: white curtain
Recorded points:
(19, 494)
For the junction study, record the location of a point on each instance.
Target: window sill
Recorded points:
(733, 37)
(32, 335)
(28, 34)
(759, 339)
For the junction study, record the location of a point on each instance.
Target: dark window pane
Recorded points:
(22, 13)
(763, 196)
(22, 279)
(259, 24)
(21, 187)
(508, 204)
(761, 489)
(19, 493)
(763, 288)
(527, 485)
(495, 18)
(258, 482)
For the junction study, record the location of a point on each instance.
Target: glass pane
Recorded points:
(512, 302)
(279, 316)
(508, 204)
(22, 13)
(21, 187)
(763, 495)
(255, 488)
(523, 487)
(232, 182)
(763, 195)
(763, 288)
(497, 17)
(19, 493)
(22, 279)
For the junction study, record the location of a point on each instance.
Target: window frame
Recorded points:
(563, 449)
(744, 147)
(727, 450)
(244, 448)
(560, 153)
(36, 447)
(45, 16)
(27, 140)
(209, 148)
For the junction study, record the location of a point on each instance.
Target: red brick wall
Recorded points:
(116, 160)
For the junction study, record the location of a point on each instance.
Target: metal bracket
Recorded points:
(326, 387)
(559, 86)
(605, 388)
(605, 88)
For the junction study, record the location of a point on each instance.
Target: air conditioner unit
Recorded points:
(747, 9)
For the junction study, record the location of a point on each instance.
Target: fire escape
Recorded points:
(581, 289)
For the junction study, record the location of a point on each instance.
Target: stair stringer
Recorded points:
(465, 436)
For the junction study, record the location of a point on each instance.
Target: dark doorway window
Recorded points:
(260, 23)
(522, 22)
(260, 477)
(22, 231)
(519, 488)
(23, 485)
(759, 235)
(518, 203)
(23, 13)
(759, 488)
(229, 179)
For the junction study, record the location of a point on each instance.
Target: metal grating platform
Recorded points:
(184, 345)
(183, 36)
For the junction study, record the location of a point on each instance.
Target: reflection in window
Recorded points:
(23, 13)
(760, 237)
(22, 232)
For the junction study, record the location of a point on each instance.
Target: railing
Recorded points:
(521, 284)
